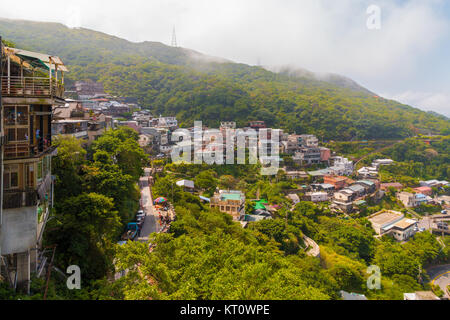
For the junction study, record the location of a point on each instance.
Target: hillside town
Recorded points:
(38, 111)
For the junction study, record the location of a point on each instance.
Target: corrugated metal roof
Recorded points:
(39, 59)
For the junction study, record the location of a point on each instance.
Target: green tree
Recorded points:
(84, 230)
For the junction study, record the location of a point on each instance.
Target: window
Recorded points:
(22, 134)
(10, 116)
(16, 123)
(11, 176)
(29, 175)
(11, 134)
(22, 115)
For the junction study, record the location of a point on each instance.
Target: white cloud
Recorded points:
(429, 101)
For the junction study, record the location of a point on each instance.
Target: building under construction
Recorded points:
(31, 85)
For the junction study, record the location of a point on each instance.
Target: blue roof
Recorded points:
(204, 199)
(420, 196)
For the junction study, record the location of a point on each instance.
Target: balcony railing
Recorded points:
(13, 199)
(16, 86)
(13, 150)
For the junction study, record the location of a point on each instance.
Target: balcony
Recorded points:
(13, 199)
(18, 150)
(41, 87)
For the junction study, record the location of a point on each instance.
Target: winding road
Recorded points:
(440, 275)
(357, 161)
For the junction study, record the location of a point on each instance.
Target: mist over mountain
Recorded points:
(192, 86)
(335, 79)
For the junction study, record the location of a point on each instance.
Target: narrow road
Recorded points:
(312, 248)
(440, 275)
(151, 221)
(373, 152)
(315, 249)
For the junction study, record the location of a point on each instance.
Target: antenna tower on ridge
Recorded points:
(174, 38)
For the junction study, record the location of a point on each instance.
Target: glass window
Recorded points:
(22, 134)
(29, 170)
(10, 115)
(11, 134)
(22, 115)
(11, 177)
(14, 179)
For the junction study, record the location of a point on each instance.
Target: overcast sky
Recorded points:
(407, 59)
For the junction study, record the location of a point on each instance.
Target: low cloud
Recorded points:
(428, 101)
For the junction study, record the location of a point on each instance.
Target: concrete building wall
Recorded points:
(19, 230)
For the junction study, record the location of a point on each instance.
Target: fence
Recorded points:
(31, 86)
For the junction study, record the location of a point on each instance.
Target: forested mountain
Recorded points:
(192, 86)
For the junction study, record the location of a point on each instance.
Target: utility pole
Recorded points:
(49, 271)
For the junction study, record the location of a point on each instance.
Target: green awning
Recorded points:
(35, 62)
(259, 205)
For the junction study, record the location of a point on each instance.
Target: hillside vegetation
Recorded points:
(192, 86)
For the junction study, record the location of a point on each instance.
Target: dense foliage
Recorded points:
(419, 158)
(96, 194)
(208, 256)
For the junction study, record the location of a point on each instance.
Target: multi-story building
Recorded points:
(338, 182)
(31, 84)
(370, 186)
(368, 172)
(393, 223)
(170, 123)
(344, 199)
(382, 162)
(74, 120)
(316, 196)
(411, 200)
(229, 201)
(308, 140)
(434, 183)
(341, 166)
(89, 89)
(307, 156)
